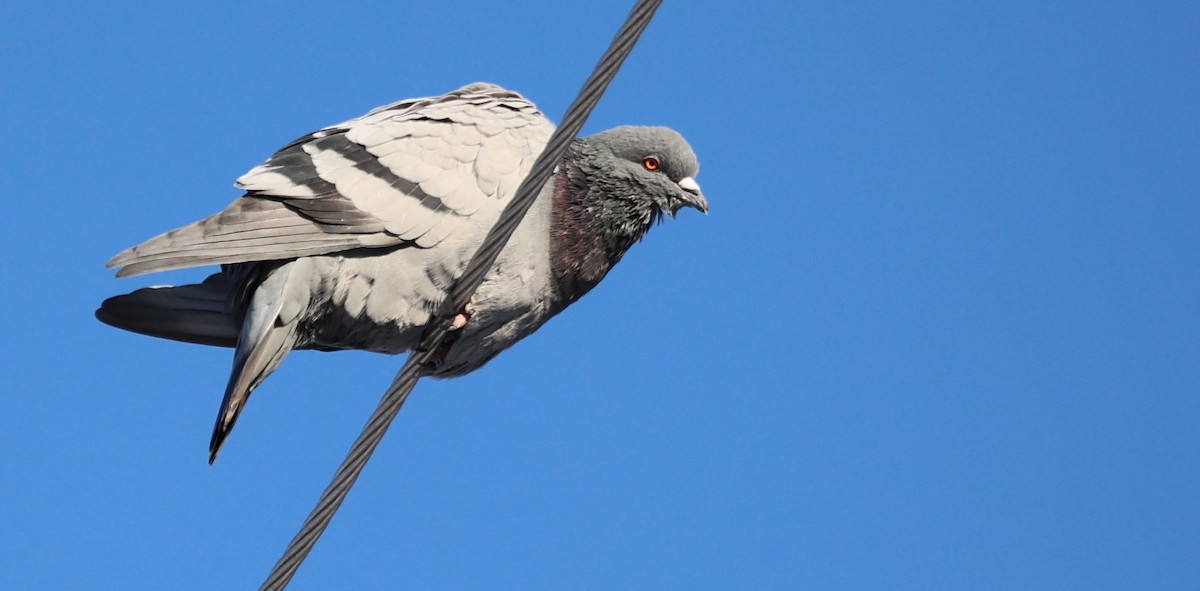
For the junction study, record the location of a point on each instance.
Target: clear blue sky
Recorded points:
(940, 331)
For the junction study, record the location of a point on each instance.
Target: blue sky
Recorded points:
(939, 331)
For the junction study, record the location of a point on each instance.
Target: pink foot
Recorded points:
(461, 319)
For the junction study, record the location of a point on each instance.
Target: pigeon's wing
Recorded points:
(413, 173)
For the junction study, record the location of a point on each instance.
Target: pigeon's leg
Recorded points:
(457, 323)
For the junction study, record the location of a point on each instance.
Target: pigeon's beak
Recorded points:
(694, 197)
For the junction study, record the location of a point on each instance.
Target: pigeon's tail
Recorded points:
(266, 335)
(196, 313)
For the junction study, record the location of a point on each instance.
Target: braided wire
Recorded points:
(464, 288)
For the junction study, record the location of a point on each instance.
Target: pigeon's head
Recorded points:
(658, 162)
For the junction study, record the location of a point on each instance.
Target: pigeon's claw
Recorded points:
(457, 323)
(464, 315)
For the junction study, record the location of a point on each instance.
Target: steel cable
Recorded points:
(463, 289)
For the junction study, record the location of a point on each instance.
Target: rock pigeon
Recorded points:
(351, 237)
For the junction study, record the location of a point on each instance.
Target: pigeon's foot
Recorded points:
(461, 319)
(454, 331)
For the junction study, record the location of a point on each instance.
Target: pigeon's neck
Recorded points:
(593, 223)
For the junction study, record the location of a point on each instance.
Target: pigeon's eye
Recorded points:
(651, 163)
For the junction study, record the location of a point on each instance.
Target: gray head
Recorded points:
(658, 161)
(610, 189)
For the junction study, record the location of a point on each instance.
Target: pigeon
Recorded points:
(352, 236)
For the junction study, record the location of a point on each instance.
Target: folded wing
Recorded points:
(414, 173)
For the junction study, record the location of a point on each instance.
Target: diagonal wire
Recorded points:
(497, 237)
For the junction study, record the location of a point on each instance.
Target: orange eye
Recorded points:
(651, 163)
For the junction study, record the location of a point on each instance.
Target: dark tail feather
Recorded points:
(197, 313)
